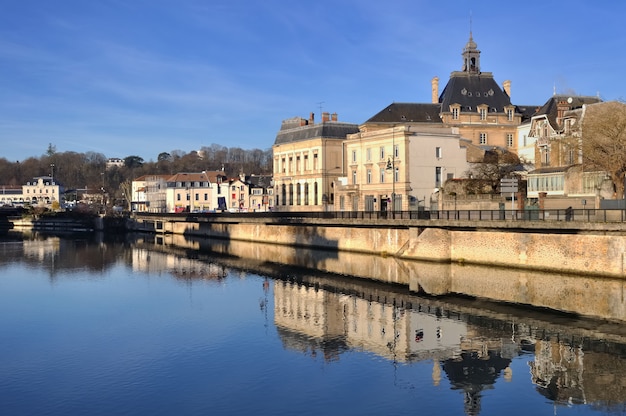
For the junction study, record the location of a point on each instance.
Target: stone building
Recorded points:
(562, 178)
(308, 159)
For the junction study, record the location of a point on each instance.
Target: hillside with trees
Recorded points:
(88, 170)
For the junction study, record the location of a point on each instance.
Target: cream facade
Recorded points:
(308, 160)
(399, 168)
(201, 192)
(42, 190)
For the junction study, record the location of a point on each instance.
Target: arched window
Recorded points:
(306, 193)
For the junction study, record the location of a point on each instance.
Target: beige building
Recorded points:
(42, 190)
(308, 159)
(407, 163)
(560, 179)
(477, 106)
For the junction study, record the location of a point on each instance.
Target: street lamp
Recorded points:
(391, 165)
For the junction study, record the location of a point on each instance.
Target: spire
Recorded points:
(471, 56)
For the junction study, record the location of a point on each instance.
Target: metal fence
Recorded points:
(582, 215)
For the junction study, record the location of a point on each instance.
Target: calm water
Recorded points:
(91, 327)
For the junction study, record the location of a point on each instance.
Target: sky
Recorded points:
(141, 77)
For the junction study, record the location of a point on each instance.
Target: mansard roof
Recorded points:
(407, 113)
(470, 90)
(572, 102)
(294, 132)
(527, 111)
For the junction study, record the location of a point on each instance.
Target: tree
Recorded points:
(126, 190)
(604, 141)
(51, 150)
(496, 164)
(132, 162)
(164, 157)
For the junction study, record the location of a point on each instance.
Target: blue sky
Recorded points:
(141, 77)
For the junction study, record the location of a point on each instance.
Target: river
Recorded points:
(154, 325)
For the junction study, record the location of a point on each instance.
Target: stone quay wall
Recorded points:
(577, 249)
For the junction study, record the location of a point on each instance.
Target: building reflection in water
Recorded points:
(474, 352)
(470, 342)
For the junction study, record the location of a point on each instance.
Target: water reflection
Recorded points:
(469, 342)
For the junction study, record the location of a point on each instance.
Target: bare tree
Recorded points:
(604, 141)
(497, 164)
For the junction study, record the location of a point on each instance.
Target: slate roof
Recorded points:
(471, 90)
(327, 130)
(259, 181)
(408, 112)
(527, 111)
(550, 108)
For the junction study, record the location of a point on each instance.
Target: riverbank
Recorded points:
(556, 247)
(71, 223)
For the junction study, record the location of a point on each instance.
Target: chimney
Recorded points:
(303, 122)
(312, 118)
(561, 108)
(325, 116)
(506, 86)
(435, 87)
(333, 116)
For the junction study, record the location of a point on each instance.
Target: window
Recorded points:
(438, 152)
(315, 161)
(483, 113)
(455, 113)
(438, 177)
(382, 176)
(509, 114)
(354, 156)
(369, 176)
(368, 154)
(570, 156)
(509, 139)
(396, 151)
(483, 138)
(306, 162)
(396, 174)
(354, 177)
(382, 153)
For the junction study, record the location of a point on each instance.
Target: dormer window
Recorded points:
(483, 113)
(455, 113)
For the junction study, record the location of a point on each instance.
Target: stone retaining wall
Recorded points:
(588, 254)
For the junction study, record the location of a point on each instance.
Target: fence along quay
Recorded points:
(592, 243)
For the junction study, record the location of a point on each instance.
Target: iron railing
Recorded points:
(580, 215)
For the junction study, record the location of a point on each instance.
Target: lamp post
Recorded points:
(391, 165)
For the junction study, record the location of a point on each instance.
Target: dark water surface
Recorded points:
(94, 327)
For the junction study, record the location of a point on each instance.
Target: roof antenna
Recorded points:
(320, 105)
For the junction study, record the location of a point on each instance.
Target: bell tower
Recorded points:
(471, 57)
